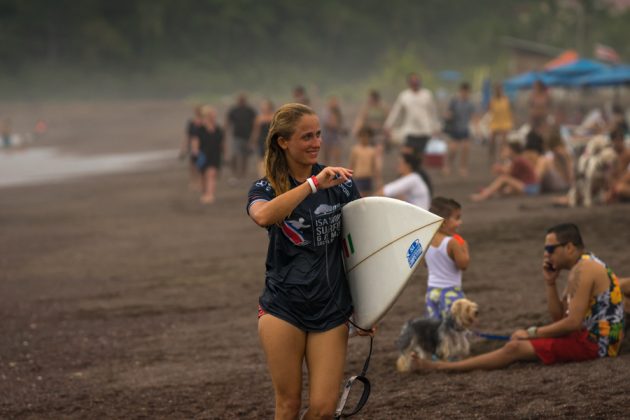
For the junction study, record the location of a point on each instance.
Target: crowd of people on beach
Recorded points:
(539, 156)
(305, 309)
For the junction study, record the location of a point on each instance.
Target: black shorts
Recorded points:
(417, 143)
(204, 161)
(459, 135)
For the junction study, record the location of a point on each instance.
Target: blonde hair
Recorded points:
(206, 110)
(282, 125)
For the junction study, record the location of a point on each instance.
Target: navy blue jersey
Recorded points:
(305, 281)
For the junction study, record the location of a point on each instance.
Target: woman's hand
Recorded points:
(371, 332)
(332, 176)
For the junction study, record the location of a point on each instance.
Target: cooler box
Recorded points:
(435, 153)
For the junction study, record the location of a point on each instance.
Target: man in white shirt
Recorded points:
(419, 115)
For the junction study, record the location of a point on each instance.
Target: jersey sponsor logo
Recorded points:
(264, 184)
(323, 209)
(345, 187)
(292, 230)
(414, 252)
(327, 228)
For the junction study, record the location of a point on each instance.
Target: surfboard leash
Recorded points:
(492, 336)
(360, 377)
(348, 386)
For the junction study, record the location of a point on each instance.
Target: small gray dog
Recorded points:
(446, 339)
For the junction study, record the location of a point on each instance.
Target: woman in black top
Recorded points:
(208, 147)
(306, 301)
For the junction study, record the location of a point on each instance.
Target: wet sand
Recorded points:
(123, 297)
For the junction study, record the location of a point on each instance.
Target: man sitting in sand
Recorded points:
(588, 319)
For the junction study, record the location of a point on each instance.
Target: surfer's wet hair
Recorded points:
(444, 207)
(567, 232)
(282, 125)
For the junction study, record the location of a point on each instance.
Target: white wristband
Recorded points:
(312, 185)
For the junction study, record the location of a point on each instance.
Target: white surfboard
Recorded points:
(384, 240)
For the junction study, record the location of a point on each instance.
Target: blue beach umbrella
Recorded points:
(612, 76)
(576, 68)
(566, 75)
(521, 81)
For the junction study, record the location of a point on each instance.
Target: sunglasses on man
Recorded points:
(550, 249)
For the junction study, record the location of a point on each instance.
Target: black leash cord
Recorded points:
(361, 377)
(346, 389)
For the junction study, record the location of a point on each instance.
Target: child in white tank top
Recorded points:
(446, 258)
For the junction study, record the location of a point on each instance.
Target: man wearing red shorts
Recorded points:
(588, 319)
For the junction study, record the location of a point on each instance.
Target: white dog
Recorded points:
(593, 171)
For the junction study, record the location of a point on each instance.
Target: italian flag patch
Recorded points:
(348, 247)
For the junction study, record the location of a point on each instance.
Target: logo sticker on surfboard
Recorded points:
(348, 246)
(414, 252)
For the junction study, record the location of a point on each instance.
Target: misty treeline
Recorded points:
(174, 46)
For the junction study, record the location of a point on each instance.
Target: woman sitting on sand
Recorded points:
(514, 178)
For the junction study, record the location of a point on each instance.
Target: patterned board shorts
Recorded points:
(439, 301)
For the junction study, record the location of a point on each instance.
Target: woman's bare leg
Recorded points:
(497, 185)
(325, 359)
(284, 347)
(209, 185)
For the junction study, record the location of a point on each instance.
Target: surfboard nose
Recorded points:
(384, 239)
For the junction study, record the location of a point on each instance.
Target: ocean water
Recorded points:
(48, 164)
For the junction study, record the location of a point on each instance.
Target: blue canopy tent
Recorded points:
(611, 76)
(562, 76)
(567, 75)
(578, 67)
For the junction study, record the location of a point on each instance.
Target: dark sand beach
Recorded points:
(121, 296)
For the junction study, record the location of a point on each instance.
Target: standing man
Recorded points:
(240, 122)
(460, 112)
(588, 317)
(416, 108)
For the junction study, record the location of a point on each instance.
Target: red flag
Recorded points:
(606, 53)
